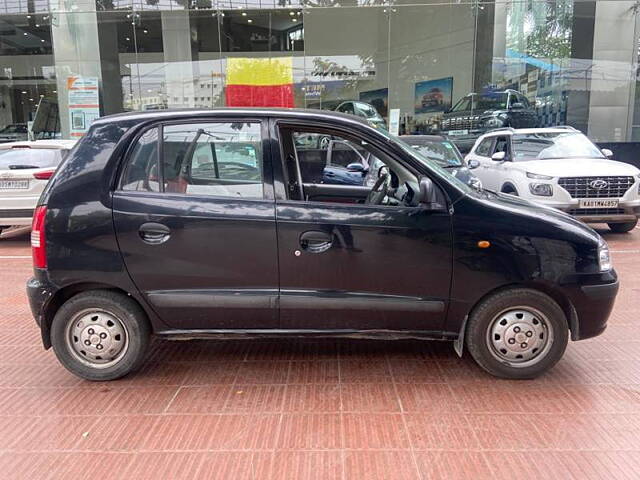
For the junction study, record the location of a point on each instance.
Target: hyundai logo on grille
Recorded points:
(598, 184)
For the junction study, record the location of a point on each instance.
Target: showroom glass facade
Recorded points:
(574, 61)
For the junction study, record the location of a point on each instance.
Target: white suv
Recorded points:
(561, 168)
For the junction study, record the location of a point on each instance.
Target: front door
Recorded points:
(349, 262)
(195, 219)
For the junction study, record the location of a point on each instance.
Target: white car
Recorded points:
(25, 169)
(561, 168)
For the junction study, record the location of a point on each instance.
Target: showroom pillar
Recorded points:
(76, 49)
(179, 58)
(613, 72)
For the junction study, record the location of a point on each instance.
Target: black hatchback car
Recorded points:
(202, 224)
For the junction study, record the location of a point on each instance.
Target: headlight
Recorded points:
(493, 122)
(537, 176)
(604, 257)
(541, 189)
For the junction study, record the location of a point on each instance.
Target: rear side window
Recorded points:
(222, 159)
(142, 170)
(219, 159)
(24, 158)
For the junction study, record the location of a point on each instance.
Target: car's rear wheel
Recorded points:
(623, 227)
(517, 333)
(100, 335)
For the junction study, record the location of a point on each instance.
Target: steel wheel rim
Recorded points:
(520, 336)
(97, 338)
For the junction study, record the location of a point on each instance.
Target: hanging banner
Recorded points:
(259, 82)
(84, 103)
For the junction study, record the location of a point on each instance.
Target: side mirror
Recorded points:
(607, 153)
(499, 157)
(356, 167)
(428, 195)
(517, 106)
(472, 163)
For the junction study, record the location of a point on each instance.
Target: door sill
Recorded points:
(304, 333)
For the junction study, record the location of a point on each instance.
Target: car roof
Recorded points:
(44, 144)
(284, 113)
(528, 131)
(418, 139)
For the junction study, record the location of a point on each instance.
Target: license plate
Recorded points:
(598, 203)
(14, 184)
(458, 132)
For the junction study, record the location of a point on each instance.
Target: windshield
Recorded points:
(430, 164)
(368, 111)
(491, 101)
(443, 153)
(17, 158)
(553, 145)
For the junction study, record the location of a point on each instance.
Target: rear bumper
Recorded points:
(16, 216)
(39, 294)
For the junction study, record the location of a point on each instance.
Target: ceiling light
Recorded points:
(145, 31)
(28, 16)
(24, 92)
(42, 41)
(127, 39)
(37, 25)
(294, 19)
(292, 13)
(250, 21)
(25, 34)
(244, 14)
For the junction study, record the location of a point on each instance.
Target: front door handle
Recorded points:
(154, 233)
(315, 241)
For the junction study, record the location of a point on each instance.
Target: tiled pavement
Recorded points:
(320, 409)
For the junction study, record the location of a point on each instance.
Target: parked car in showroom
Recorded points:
(363, 110)
(444, 153)
(136, 235)
(561, 168)
(477, 113)
(25, 169)
(14, 133)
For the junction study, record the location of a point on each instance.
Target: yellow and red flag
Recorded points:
(260, 82)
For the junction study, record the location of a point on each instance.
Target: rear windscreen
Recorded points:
(22, 158)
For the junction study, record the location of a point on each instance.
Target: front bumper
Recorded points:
(593, 299)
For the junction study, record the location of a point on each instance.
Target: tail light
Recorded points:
(44, 174)
(38, 239)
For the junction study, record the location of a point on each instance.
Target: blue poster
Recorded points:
(433, 95)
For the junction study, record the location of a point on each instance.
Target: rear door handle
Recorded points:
(315, 241)
(154, 233)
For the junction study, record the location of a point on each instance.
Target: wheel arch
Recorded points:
(508, 186)
(556, 295)
(70, 291)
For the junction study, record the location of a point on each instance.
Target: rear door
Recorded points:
(195, 219)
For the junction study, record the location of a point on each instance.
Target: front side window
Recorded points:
(221, 159)
(484, 149)
(464, 105)
(502, 145)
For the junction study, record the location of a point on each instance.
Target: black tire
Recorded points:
(623, 227)
(118, 305)
(492, 308)
(509, 190)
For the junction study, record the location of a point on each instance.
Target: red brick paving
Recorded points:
(320, 409)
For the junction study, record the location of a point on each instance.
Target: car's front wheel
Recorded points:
(517, 333)
(100, 335)
(623, 227)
